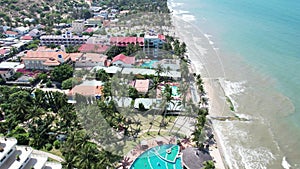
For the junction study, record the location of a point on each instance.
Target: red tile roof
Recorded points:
(123, 58)
(26, 38)
(124, 41)
(93, 48)
(161, 37)
(11, 33)
(142, 85)
(89, 30)
(3, 51)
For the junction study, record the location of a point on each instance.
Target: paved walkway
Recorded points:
(54, 157)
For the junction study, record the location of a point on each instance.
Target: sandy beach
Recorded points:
(212, 87)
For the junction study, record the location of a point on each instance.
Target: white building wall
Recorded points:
(122, 64)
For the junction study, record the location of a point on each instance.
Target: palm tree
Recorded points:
(167, 100)
(69, 161)
(209, 165)
(186, 140)
(125, 162)
(87, 158)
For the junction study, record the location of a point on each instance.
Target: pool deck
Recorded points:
(138, 150)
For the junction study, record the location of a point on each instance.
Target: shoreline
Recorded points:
(216, 152)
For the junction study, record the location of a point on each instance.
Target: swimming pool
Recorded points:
(159, 157)
(175, 91)
(149, 64)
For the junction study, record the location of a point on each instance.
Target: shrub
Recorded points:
(56, 144)
(48, 147)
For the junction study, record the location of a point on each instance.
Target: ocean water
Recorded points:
(252, 48)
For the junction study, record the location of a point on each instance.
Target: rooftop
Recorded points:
(88, 88)
(110, 70)
(147, 102)
(93, 48)
(11, 33)
(36, 161)
(5, 70)
(60, 36)
(23, 153)
(124, 41)
(94, 57)
(7, 144)
(125, 59)
(193, 158)
(52, 165)
(50, 58)
(26, 37)
(138, 71)
(3, 51)
(154, 36)
(142, 86)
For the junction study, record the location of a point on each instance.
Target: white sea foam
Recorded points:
(236, 155)
(244, 116)
(188, 17)
(208, 36)
(231, 89)
(255, 158)
(180, 12)
(285, 164)
(172, 4)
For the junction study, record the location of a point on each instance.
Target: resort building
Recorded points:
(6, 73)
(34, 33)
(11, 34)
(91, 60)
(65, 39)
(77, 26)
(11, 65)
(98, 40)
(110, 70)
(21, 30)
(3, 53)
(124, 41)
(168, 64)
(142, 86)
(123, 61)
(90, 89)
(96, 21)
(26, 38)
(45, 60)
(154, 40)
(93, 48)
(13, 156)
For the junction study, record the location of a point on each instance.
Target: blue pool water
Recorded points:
(158, 158)
(149, 64)
(175, 91)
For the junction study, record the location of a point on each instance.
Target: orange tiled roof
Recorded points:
(11, 33)
(75, 56)
(142, 85)
(49, 58)
(86, 90)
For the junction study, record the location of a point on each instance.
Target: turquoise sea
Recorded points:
(258, 47)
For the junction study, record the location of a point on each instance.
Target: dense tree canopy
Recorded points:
(62, 72)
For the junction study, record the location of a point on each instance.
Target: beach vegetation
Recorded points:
(209, 165)
(231, 107)
(62, 72)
